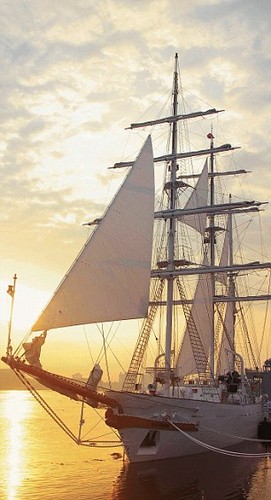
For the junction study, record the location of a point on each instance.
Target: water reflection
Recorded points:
(15, 410)
(261, 483)
(207, 476)
(37, 460)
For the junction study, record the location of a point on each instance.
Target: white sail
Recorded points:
(224, 257)
(201, 311)
(226, 358)
(198, 198)
(202, 315)
(110, 278)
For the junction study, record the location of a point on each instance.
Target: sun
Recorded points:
(28, 303)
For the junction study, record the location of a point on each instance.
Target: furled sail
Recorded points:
(202, 315)
(226, 357)
(109, 279)
(224, 258)
(198, 198)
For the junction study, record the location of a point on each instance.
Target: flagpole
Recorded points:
(11, 291)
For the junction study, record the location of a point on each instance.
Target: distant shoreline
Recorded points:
(9, 382)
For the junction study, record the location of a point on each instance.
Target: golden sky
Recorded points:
(73, 75)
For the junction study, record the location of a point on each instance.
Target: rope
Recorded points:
(104, 444)
(255, 440)
(220, 450)
(45, 406)
(161, 404)
(106, 360)
(83, 440)
(57, 419)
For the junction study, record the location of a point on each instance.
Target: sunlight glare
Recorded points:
(27, 305)
(16, 409)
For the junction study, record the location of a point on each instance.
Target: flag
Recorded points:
(10, 290)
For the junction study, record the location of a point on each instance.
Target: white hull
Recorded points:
(218, 424)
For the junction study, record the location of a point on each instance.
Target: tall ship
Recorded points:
(171, 261)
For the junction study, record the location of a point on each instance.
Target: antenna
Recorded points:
(11, 292)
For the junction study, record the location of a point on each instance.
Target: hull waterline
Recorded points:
(166, 433)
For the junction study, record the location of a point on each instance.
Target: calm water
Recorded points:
(38, 461)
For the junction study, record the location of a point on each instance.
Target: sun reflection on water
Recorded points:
(15, 410)
(38, 461)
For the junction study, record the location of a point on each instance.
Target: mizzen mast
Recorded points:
(212, 252)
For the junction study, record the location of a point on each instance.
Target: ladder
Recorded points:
(196, 343)
(133, 374)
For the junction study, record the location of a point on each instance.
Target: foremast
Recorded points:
(172, 229)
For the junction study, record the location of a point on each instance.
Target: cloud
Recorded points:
(74, 75)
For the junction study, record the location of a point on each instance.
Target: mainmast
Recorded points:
(172, 226)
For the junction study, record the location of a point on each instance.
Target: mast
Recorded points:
(212, 252)
(11, 292)
(232, 285)
(172, 227)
